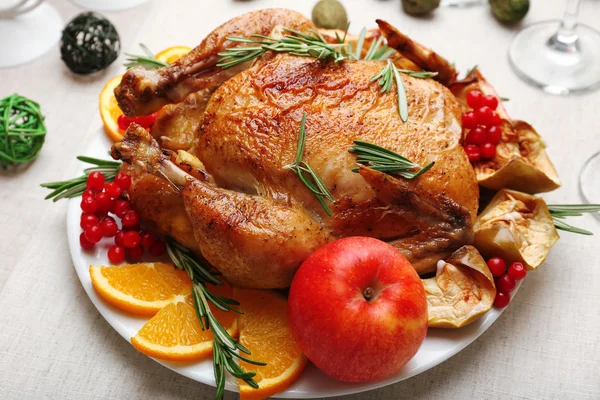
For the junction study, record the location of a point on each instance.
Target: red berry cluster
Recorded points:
(483, 123)
(101, 198)
(505, 280)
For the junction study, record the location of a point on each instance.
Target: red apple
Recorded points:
(357, 309)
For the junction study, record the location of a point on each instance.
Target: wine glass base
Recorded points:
(28, 36)
(589, 181)
(108, 5)
(460, 3)
(556, 72)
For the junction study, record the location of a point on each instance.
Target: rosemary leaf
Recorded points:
(311, 180)
(360, 43)
(401, 90)
(562, 211)
(147, 60)
(384, 160)
(563, 226)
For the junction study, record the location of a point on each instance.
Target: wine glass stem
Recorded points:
(565, 39)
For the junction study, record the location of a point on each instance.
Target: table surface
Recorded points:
(54, 344)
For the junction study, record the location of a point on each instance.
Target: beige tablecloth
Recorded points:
(54, 344)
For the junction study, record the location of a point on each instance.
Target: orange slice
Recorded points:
(175, 334)
(110, 111)
(172, 54)
(141, 289)
(265, 332)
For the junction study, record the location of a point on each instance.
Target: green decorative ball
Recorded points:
(419, 7)
(22, 130)
(330, 14)
(89, 43)
(508, 11)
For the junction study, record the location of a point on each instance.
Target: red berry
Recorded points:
(131, 239)
(116, 254)
(130, 219)
(123, 122)
(148, 238)
(88, 193)
(87, 220)
(135, 227)
(86, 244)
(88, 204)
(475, 99)
(469, 120)
(488, 151)
(497, 266)
(476, 136)
(119, 238)
(158, 248)
(109, 227)
(494, 134)
(495, 119)
(135, 253)
(95, 181)
(103, 202)
(473, 152)
(101, 213)
(120, 207)
(517, 271)
(484, 116)
(112, 189)
(501, 300)
(93, 233)
(505, 284)
(490, 101)
(123, 180)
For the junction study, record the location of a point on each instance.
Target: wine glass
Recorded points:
(108, 5)
(28, 29)
(460, 3)
(561, 57)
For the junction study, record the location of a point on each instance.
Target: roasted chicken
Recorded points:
(250, 215)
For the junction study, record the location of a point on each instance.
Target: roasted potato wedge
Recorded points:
(521, 161)
(517, 227)
(462, 290)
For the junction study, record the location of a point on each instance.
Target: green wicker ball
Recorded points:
(89, 43)
(22, 130)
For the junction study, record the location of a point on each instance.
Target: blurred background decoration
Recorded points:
(28, 29)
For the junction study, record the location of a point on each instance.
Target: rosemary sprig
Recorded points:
(147, 60)
(562, 211)
(295, 43)
(378, 50)
(385, 78)
(312, 181)
(225, 347)
(75, 187)
(384, 160)
(390, 74)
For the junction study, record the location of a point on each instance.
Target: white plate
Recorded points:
(440, 344)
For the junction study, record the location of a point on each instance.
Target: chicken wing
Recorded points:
(255, 241)
(142, 91)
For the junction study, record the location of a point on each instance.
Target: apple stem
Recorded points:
(368, 293)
